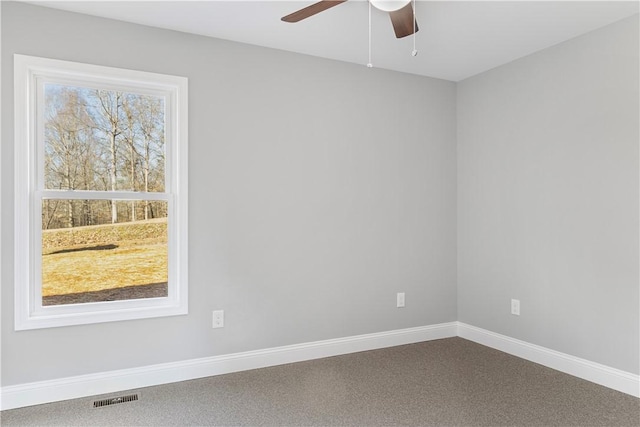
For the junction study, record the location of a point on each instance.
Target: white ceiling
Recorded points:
(457, 39)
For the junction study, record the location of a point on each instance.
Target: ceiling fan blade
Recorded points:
(403, 21)
(311, 10)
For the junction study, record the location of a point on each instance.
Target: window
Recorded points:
(100, 194)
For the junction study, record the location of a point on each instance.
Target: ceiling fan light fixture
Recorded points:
(389, 5)
(403, 16)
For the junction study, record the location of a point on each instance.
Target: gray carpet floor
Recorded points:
(449, 382)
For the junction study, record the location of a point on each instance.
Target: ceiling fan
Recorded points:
(400, 11)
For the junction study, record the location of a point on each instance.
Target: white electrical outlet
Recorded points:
(400, 299)
(218, 319)
(515, 307)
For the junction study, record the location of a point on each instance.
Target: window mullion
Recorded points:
(100, 195)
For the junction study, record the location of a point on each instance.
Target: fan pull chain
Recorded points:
(369, 64)
(415, 51)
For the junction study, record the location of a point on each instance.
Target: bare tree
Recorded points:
(130, 138)
(151, 121)
(111, 106)
(67, 128)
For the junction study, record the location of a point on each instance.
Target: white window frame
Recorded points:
(30, 75)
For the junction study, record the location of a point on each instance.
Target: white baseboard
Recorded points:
(35, 393)
(600, 374)
(126, 379)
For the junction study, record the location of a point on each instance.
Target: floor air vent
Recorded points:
(115, 400)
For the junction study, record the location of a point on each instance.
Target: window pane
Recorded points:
(103, 140)
(87, 258)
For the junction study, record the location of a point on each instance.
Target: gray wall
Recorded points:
(548, 197)
(318, 190)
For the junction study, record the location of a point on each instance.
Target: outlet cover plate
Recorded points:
(218, 319)
(515, 307)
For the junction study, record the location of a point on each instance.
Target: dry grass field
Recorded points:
(97, 258)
